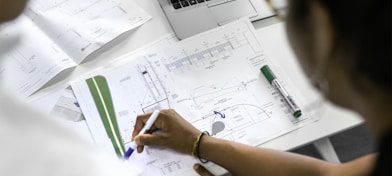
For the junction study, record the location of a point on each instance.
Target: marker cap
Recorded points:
(268, 73)
(297, 113)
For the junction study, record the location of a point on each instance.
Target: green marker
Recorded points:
(275, 83)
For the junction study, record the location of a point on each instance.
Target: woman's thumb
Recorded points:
(201, 170)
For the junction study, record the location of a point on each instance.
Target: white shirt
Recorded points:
(36, 145)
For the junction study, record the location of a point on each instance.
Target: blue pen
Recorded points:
(146, 127)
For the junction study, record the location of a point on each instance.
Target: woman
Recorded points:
(345, 49)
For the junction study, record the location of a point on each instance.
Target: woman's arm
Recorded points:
(246, 160)
(179, 135)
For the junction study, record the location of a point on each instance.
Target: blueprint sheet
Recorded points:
(54, 35)
(212, 80)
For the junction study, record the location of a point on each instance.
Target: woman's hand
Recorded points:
(175, 132)
(201, 170)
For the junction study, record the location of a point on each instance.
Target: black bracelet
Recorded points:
(198, 147)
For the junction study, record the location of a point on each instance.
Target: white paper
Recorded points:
(81, 27)
(33, 60)
(212, 79)
(53, 35)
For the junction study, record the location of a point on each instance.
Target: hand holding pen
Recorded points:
(147, 126)
(175, 132)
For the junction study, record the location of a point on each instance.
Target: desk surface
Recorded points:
(332, 120)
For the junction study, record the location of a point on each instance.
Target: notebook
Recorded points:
(190, 17)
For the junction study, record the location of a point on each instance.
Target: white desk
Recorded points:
(332, 121)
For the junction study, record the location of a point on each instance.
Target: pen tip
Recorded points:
(128, 153)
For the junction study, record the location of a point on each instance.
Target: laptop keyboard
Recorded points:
(178, 4)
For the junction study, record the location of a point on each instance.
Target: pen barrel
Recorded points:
(149, 122)
(145, 129)
(288, 99)
(133, 145)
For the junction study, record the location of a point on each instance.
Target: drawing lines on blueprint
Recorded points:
(208, 84)
(27, 61)
(202, 58)
(212, 52)
(234, 118)
(228, 107)
(73, 17)
(87, 9)
(202, 96)
(169, 167)
(24, 62)
(140, 91)
(212, 80)
(165, 167)
(66, 6)
(79, 25)
(155, 88)
(160, 161)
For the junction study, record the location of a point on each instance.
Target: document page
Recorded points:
(81, 27)
(31, 60)
(212, 79)
(53, 35)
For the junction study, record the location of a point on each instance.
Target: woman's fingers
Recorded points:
(201, 170)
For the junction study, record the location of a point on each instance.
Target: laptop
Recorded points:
(190, 17)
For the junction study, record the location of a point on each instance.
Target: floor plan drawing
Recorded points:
(213, 80)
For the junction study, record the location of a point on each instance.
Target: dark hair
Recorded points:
(364, 29)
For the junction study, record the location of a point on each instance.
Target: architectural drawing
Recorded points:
(212, 80)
